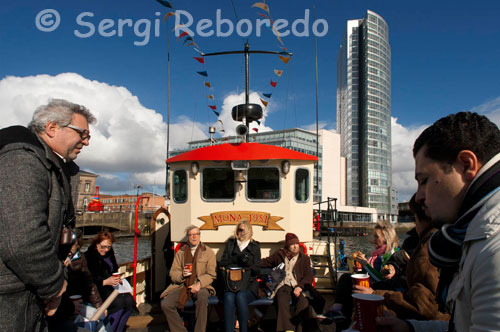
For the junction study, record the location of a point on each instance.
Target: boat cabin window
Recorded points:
(263, 183)
(218, 183)
(302, 185)
(180, 186)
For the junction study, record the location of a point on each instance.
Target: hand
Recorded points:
(388, 271)
(111, 281)
(391, 323)
(52, 304)
(361, 259)
(67, 261)
(195, 288)
(297, 291)
(186, 272)
(361, 290)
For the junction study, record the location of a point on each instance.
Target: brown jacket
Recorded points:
(205, 269)
(419, 302)
(302, 269)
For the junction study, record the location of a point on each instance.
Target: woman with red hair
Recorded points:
(102, 264)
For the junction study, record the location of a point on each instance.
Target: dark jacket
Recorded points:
(249, 259)
(80, 282)
(100, 270)
(419, 302)
(34, 199)
(302, 269)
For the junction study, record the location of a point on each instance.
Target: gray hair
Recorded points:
(59, 111)
(189, 228)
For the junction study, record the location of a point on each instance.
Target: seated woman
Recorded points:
(79, 283)
(419, 301)
(297, 281)
(241, 251)
(102, 264)
(386, 242)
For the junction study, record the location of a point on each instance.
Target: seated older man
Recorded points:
(192, 273)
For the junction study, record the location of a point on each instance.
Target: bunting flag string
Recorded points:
(189, 42)
(283, 54)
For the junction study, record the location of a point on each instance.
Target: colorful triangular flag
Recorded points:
(214, 107)
(278, 72)
(165, 3)
(189, 38)
(261, 5)
(200, 60)
(217, 113)
(207, 84)
(211, 97)
(185, 33)
(203, 73)
(263, 102)
(285, 59)
(167, 15)
(267, 95)
(255, 129)
(273, 83)
(257, 122)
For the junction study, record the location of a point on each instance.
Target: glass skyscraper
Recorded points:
(364, 113)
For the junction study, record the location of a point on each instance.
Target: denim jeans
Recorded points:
(240, 300)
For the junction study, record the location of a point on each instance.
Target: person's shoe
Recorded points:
(333, 316)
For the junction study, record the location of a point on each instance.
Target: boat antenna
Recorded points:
(246, 112)
(316, 186)
(168, 113)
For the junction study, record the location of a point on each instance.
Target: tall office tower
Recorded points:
(364, 113)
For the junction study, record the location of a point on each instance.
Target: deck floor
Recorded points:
(154, 320)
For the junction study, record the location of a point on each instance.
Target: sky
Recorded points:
(111, 56)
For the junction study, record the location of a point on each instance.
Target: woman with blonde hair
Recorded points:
(241, 252)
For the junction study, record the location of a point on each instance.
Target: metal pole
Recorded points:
(137, 233)
(247, 87)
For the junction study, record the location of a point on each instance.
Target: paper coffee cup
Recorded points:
(366, 308)
(189, 267)
(116, 275)
(361, 280)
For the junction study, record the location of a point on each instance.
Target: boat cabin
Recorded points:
(216, 186)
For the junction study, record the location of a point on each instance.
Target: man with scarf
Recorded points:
(457, 167)
(192, 273)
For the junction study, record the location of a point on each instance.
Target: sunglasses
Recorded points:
(84, 133)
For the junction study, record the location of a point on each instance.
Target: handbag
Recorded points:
(236, 279)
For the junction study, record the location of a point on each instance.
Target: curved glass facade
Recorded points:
(364, 111)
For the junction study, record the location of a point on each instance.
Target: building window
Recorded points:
(263, 183)
(180, 186)
(85, 202)
(87, 187)
(218, 183)
(302, 185)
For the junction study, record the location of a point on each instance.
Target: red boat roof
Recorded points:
(241, 151)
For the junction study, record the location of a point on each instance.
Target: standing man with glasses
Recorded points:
(36, 176)
(192, 273)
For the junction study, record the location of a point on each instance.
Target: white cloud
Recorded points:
(403, 167)
(491, 109)
(128, 142)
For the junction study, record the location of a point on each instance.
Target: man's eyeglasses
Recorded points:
(194, 234)
(84, 133)
(104, 247)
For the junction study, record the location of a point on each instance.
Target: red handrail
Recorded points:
(137, 233)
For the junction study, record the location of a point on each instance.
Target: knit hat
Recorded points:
(290, 239)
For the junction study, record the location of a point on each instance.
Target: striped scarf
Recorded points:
(445, 246)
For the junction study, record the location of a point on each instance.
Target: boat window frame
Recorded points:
(214, 200)
(280, 175)
(185, 170)
(295, 185)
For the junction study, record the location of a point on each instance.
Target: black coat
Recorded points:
(100, 270)
(248, 258)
